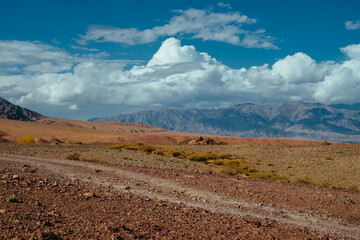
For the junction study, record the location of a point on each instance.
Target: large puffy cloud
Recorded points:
(180, 76)
(171, 51)
(200, 24)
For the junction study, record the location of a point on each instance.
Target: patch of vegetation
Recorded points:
(304, 180)
(353, 187)
(27, 140)
(326, 143)
(172, 152)
(268, 176)
(73, 156)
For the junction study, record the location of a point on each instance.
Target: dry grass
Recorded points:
(323, 165)
(319, 163)
(303, 164)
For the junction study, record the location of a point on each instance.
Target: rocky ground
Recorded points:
(47, 198)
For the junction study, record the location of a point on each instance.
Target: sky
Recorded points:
(83, 59)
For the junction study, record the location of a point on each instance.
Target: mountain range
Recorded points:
(311, 121)
(14, 112)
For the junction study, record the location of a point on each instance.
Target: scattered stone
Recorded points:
(89, 195)
(15, 176)
(12, 199)
(45, 236)
(2, 211)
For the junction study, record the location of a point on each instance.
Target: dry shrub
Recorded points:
(268, 176)
(228, 171)
(218, 162)
(305, 180)
(198, 157)
(73, 156)
(27, 140)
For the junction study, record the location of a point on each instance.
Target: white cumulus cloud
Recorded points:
(193, 23)
(352, 25)
(224, 5)
(180, 76)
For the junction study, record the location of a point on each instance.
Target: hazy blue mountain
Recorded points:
(314, 121)
(14, 112)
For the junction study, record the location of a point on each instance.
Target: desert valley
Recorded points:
(66, 179)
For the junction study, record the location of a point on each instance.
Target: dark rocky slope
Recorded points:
(14, 112)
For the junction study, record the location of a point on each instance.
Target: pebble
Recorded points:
(89, 195)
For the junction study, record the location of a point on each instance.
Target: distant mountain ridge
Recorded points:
(14, 112)
(312, 121)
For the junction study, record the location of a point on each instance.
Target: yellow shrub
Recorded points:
(27, 140)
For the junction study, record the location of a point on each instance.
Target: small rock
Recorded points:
(15, 176)
(127, 188)
(12, 199)
(89, 195)
(2, 211)
(47, 224)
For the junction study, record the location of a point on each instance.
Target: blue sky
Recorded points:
(80, 59)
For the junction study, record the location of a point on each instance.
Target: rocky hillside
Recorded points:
(313, 121)
(14, 112)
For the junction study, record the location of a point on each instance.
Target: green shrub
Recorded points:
(326, 143)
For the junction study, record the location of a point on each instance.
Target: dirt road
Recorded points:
(330, 211)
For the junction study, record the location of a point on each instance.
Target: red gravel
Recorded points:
(50, 205)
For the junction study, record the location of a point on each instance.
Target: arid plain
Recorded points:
(125, 181)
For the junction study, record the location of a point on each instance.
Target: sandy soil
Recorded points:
(77, 199)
